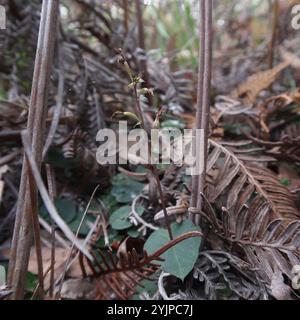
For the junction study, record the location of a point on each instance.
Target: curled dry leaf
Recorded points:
(249, 90)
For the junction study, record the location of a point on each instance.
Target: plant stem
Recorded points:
(23, 232)
(195, 179)
(141, 37)
(52, 192)
(139, 110)
(126, 15)
(275, 15)
(152, 168)
(203, 104)
(37, 235)
(163, 203)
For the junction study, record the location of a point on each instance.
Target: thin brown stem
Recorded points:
(163, 202)
(275, 16)
(195, 179)
(52, 192)
(141, 38)
(151, 167)
(138, 107)
(126, 15)
(23, 230)
(172, 243)
(67, 264)
(37, 236)
(59, 105)
(205, 112)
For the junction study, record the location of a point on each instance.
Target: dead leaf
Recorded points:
(78, 289)
(61, 255)
(249, 90)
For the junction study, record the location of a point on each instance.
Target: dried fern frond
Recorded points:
(220, 272)
(254, 211)
(242, 179)
(228, 106)
(119, 276)
(176, 88)
(219, 275)
(290, 138)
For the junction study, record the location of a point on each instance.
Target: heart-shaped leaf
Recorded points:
(180, 259)
(119, 218)
(125, 189)
(66, 208)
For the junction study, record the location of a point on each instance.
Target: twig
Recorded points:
(204, 107)
(9, 158)
(126, 15)
(141, 35)
(36, 289)
(195, 178)
(36, 127)
(52, 193)
(58, 238)
(37, 235)
(172, 243)
(138, 218)
(58, 109)
(85, 242)
(162, 199)
(77, 234)
(47, 201)
(275, 16)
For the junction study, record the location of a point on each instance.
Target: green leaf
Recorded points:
(173, 123)
(74, 225)
(119, 218)
(31, 281)
(125, 189)
(109, 201)
(113, 236)
(66, 208)
(133, 233)
(148, 286)
(286, 182)
(162, 30)
(180, 259)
